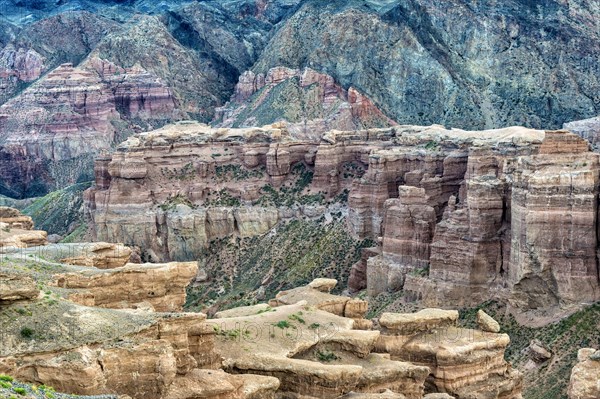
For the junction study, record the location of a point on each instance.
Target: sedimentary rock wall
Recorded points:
(461, 216)
(173, 190)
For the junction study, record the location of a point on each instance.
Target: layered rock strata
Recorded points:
(477, 227)
(52, 131)
(463, 363)
(97, 331)
(173, 190)
(16, 231)
(461, 215)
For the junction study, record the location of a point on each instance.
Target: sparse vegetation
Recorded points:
(297, 317)
(283, 324)
(326, 356)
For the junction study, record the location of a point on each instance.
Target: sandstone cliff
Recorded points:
(462, 215)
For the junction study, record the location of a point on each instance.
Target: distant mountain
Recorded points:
(461, 64)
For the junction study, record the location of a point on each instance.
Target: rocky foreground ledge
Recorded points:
(82, 319)
(460, 217)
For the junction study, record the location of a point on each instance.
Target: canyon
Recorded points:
(299, 199)
(461, 217)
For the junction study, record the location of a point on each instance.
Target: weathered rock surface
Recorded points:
(16, 230)
(15, 288)
(474, 226)
(468, 67)
(538, 353)
(463, 363)
(459, 213)
(101, 255)
(161, 285)
(52, 131)
(585, 377)
(422, 321)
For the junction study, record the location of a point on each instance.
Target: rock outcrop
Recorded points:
(460, 65)
(101, 255)
(585, 378)
(53, 130)
(160, 285)
(15, 288)
(471, 219)
(463, 363)
(16, 231)
(120, 331)
(193, 184)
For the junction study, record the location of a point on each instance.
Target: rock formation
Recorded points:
(92, 331)
(311, 102)
(473, 224)
(54, 129)
(463, 363)
(16, 231)
(585, 378)
(461, 215)
(460, 65)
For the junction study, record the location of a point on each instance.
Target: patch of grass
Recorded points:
(326, 356)
(297, 317)
(283, 324)
(266, 310)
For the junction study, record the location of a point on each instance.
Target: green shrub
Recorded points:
(283, 324)
(326, 356)
(26, 332)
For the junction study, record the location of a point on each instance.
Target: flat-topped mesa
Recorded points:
(491, 238)
(189, 184)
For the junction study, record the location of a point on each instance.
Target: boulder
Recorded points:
(487, 322)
